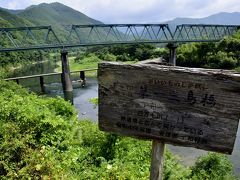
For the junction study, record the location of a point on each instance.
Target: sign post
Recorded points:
(190, 107)
(157, 160)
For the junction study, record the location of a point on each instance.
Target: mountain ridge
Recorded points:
(218, 18)
(56, 14)
(44, 13)
(223, 18)
(59, 15)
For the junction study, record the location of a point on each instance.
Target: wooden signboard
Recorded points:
(176, 105)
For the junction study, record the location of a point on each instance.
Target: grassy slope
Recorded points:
(86, 63)
(75, 66)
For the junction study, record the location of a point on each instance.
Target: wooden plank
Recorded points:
(182, 106)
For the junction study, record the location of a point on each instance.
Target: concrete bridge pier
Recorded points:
(172, 53)
(65, 77)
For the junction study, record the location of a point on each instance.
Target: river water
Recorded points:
(87, 110)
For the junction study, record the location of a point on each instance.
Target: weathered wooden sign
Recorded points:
(182, 106)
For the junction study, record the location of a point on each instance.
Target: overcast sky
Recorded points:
(137, 11)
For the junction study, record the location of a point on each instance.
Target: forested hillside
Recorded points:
(10, 20)
(14, 58)
(56, 14)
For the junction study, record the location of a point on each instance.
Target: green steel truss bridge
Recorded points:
(44, 37)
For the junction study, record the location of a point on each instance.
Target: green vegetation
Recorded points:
(94, 101)
(53, 14)
(212, 166)
(3, 72)
(41, 138)
(87, 62)
(10, 20)
(124, 53)
(37, 134)
(237, 69)
(128, 54)
(13, 59)
(9, 60)
(224, 54)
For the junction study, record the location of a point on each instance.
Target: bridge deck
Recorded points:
(48, 74)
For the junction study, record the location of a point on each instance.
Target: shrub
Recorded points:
(36, 134)
(109, 57)
(123, 57)
(221, 60)
(89, 58)
(213, 166)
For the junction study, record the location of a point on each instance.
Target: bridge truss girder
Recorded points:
(202, 32)
(44, 37)
(119, 33)
(24, 38)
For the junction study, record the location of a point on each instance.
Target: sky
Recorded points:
(137, 11)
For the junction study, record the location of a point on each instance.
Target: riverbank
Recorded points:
(237, 69)
(9, 69)
(75, 66)
(83, 64)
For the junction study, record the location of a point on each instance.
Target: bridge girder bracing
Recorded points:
(203, 32)
(119, 33)
(44, 37)
(27, 38)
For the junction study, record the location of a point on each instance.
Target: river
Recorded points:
(87, 110)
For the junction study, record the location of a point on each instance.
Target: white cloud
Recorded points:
(13, 5)
(137, 11)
